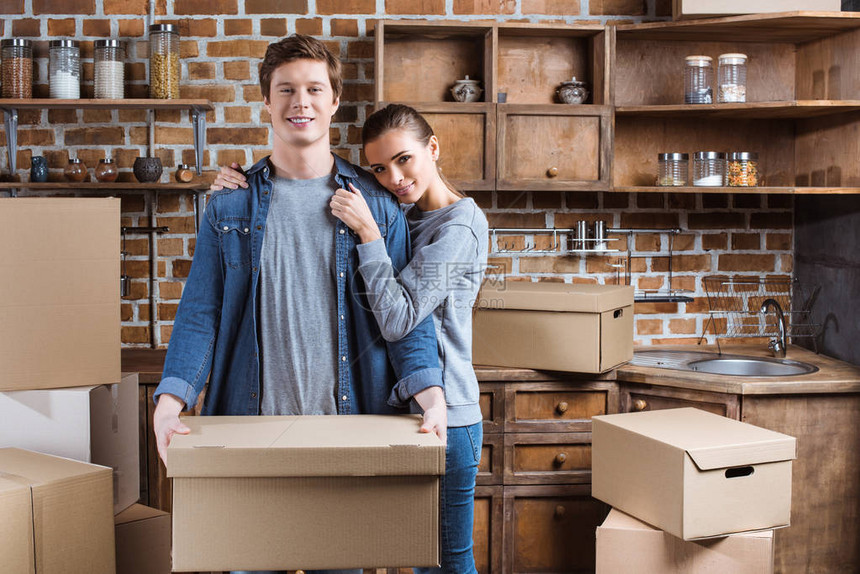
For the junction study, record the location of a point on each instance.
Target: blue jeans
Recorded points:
(462, 455)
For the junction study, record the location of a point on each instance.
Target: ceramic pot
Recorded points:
(572, 92)
(466, 90)
(76, 171)
(38, 169)
(106, 171)
(147, 169)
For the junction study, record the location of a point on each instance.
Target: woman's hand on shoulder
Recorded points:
(351, 208)
(229, 177)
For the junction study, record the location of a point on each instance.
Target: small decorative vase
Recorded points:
(106, 171)
(38, 169)
(572, 92)
(76, 171)
(147, 169)
(466, 90)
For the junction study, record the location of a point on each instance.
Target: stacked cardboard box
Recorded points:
(61, 390)
(715, 487)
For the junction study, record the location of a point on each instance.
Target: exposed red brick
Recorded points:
(181, 267)
(581, 199)
(546, 200)
(528, 220)
(251, 93)
(747, 200)
(771, 220)
(648, 241)
(682, 263)
(716, 241)
(188, 49)
(489, 7)
(134, 334)
(237, 70)
(237, 115)
(93, 136)
(125, 7)
(624, 7)
(276, 7)
(650, 201)
(64, 6)
(238, 27)
(11, 6)
(616, 200)
(205, 7)
(716, 220)
(346, 7)
(167, 311)
(177, 224)
(675, 341)
(360, 50)
(684, 242)
(600, 264)
(228, 156)
(343, 27)
(245, 136)
(126, 312)
(778, 241)
(657, 220)
(654, 308)
(420, 7)
(100, 28)
(484, 199)
(746, 262)
(551, 7)
(214, 93)
(64, 27)
(61, 117)
(309, 26)
(201, 70)
(649, 326)
(746, 241)
(22, 27)
(237, 49)
(650, 282)
(549, 264)
(273, 27)
(205, 27)
(682, 201)
(568, 220)
(169, 290)
(167, 135)
(786, 263)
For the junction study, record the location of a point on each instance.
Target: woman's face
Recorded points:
(402, 164)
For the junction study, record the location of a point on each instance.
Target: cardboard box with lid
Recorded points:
(626, 545)
(689, 9)
(691, 473)
(142, 541)
(97, 424)
(60, 304)
(305, 492)
(553, 326)
(56, 515)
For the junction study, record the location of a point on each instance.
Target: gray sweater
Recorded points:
(449, 255)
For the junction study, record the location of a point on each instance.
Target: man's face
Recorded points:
(301, 102)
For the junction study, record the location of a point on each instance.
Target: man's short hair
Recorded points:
(299, 47)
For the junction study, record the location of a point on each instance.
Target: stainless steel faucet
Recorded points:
(778, 344)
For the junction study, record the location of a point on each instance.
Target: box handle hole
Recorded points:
(618, 313)
(739, 471)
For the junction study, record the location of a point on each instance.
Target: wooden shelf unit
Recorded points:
(110, 188)
(729, 190)
(101, 104)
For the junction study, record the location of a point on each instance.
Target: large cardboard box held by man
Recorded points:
(553, 326)
(59, 298)
(90, 424)
(688, 9)
(142, 541)
(626, 545)
(309, 492)
(691, 473)
(55, 515)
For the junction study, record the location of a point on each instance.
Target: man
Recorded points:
(273, 306)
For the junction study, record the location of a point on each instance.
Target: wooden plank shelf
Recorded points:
(794, 109)
(90, 186)
(729, 190)
(102, 104)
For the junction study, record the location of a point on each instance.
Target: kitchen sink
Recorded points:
(732, 365)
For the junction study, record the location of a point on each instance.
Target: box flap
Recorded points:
(37, 468)
(545, 296)
(711, 441)
(136, 513)
(345, 445)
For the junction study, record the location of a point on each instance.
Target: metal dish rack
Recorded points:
(735, 308)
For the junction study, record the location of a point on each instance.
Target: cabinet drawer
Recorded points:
(551, 528)
(547, 458)
(492, 402)
(635, 399)
(556, 407)
(492, 457)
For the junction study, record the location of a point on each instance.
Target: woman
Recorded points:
(449, 243)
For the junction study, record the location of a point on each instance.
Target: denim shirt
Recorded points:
(216, 323)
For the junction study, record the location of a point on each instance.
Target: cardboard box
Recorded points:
(691, 473)
(59, 307)
(55, 515)
(553, 326)
(311, 492)
(626, 545)
(90, 424)
(689, 9)
(142, 541)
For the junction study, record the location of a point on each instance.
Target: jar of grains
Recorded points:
(673, 169)
(743, 169)
(732, 78)
(65, 69)
(709, 168)
(164, 61)
(17, 68)
(109, 70)
(698, 80)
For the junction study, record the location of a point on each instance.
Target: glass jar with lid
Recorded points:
(17, 68)
(109, 70)
(698, 80)
(743, 169)
(673, 169)
(732, 78)
(164, 69)
(709, 169)
(65, 69)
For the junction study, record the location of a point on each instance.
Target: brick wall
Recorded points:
(222, 42)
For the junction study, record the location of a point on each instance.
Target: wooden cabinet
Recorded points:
(635, 398)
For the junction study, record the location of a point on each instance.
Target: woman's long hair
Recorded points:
(400, 117)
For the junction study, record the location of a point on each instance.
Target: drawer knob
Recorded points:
(559, 511)
(561, 407)
(640, 405)
(552, 172)
(560, 459)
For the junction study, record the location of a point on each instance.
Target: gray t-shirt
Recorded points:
(298, 300)
(449, 255)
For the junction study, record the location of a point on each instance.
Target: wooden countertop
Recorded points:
(833, 376)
